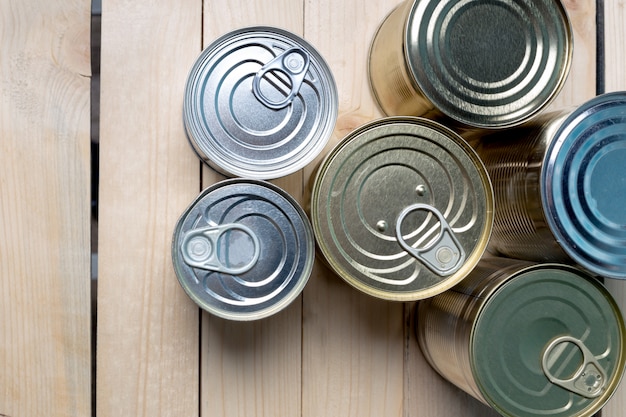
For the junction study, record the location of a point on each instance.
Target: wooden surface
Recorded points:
(333, 352)
(45, 347)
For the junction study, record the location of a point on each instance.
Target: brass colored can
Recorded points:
(402, 208)
(479, 63)
(560, 187)
(527, 339)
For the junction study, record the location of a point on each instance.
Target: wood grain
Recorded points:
(615, 80)
(148, 338)
(44, 208)
(252, 368)
(353, 343)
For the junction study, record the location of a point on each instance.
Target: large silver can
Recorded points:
(243, 250)
(260, 103)
(479, 63)
(527, 339)
(560, 186)
(402, 208)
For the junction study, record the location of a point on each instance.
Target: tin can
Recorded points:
(560, 186)
(243, 250)
(402, 208)
(259, 103)
(527, 339)
(479, 63)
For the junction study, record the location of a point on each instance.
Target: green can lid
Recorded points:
(549, 342)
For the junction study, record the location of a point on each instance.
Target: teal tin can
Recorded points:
(527, 339)
(560, 186)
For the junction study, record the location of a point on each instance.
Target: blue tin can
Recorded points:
(560, 186)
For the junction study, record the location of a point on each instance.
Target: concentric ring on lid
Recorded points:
(584, 185)
(402, 208)
(260, 103)
(550, 342)
(243, 250)
(491, 63)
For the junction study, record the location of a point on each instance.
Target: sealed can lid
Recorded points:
(489, 63)
(584, 185)
(549, 342)
(402, 208)
(259, 103)
(243, 250)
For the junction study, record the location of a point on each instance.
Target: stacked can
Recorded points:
(527, 339)
(402, 208)
(260, 103)
(479, 63)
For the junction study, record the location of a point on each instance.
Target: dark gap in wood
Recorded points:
(600, 56)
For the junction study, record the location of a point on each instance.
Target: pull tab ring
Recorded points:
(445, 256)
(588, 381)
(294, 63)
(199, 248)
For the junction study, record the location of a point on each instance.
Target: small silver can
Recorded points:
(478, 63)
(260, 103)
(527, 339)
(243, 250)
(402, 208)
(560, 186)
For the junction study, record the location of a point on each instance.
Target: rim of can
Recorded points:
(234, 127)
(529, 344)
(583, 195)
(296, 258)
(480, 93)
(380, 224)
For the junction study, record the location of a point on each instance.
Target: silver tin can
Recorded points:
(259, 103)
(479, 63)
(243, 250)
(527, 339)
(402, 208)
(560, 186)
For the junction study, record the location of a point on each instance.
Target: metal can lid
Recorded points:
(583, 185)
(402, 208)
(489, 63)
(243, 250)
(260, 103)
(549, 341)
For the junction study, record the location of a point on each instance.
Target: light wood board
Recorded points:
(45, 348)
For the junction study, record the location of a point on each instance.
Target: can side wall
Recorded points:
(514, 160)
(444, 334)
(395, 91)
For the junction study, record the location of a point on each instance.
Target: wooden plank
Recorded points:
(45, 342)
(252, 368)
(353, 343)
(615, 80)
(147, 354)
(580, 85)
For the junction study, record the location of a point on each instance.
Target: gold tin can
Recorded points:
(480, 63)
(402, 208)
(527, 339)
(560, 188)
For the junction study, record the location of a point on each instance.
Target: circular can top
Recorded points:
(243, 250)
(259, 103)
(583, 185)
(550, 342)
(489, 63)
(402, 208)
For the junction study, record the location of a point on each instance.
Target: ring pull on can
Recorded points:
(590, 378)
(294, 63)
(445, 255)
(199, 248)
